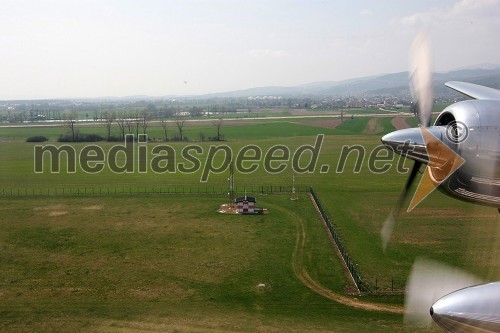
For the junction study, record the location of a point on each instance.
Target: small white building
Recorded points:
(245, 205)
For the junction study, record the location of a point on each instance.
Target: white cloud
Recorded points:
(366, 12)
(267, 53)
(463, 32)
(479, 11)
(466, 7)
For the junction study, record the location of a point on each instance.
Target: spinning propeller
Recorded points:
(421, 87)
(444, 150)
(430, 280)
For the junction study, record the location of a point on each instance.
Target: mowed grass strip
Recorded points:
(198, 131)
(246, 130)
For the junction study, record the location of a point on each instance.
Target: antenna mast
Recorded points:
(231, 185)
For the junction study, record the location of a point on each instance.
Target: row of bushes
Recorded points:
(69, 138)
(81, 137)
(37, 138)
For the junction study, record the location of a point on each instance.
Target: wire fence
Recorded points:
(137, 190)
(349, 263)
(385, 285)
(377, 284)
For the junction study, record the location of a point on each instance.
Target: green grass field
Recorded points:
(167, 263)
(136, 262)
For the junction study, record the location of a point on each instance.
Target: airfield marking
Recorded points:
(304, 277)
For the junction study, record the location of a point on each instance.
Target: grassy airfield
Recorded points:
(137, 262)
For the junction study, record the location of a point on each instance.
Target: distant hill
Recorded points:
(384, 84)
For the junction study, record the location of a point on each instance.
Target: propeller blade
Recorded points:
(389, 223)
(409, 183)
(421, 87)
(421, 83)
(429, 281)
(387, 228)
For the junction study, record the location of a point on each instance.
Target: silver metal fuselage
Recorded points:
(472, 309)
(478, 179)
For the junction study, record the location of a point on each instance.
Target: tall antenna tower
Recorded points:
(231, 185)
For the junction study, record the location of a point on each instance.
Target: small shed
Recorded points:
(245, 205)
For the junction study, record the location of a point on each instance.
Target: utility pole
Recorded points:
(231, 185)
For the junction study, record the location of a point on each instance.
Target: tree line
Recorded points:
(135, 123)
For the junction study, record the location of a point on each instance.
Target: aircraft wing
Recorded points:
(474, 90)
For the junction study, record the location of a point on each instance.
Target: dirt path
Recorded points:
(373, 127)
(326, 123)
(302, 274)
(399, 123)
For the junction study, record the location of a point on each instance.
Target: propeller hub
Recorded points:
(407, 142)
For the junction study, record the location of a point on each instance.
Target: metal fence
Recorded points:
(375, 284)
(383, 284)
(134, 190)
(350, 265)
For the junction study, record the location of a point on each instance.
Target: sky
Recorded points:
(93, 48)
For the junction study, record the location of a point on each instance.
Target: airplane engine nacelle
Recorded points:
(479, 141)
(472, 131)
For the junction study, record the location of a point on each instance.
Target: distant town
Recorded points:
(388, 92)
(93, 110)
